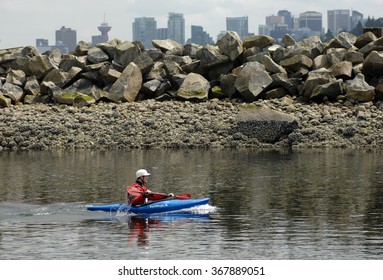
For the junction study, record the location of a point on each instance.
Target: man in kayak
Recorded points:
(138, 194)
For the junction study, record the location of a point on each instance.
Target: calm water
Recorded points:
(271, 205)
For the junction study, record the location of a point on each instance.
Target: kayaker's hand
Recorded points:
(171, 194)
(147, 193)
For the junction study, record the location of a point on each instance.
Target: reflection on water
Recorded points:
(268, 205)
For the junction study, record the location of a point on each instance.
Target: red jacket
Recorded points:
(136, 194)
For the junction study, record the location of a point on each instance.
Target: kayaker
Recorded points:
(138, 194)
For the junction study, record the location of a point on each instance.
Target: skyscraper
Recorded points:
(311, 20)
(66, 37)
(355, 18)
(287, 18)
(199, 36)
(338, 21)
(145, 30)
(239, 25)
(176, 27)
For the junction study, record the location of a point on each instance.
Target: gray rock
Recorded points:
(364, 39)
(331, 90)
(82, 48)
(144, 62)
(358, 89)
(288, 41)
(342, 70)
(265, 125)
(296, 62)
(57, 76)
(40, 66)
(191, 50)
(194, 86)
(127, 85)
(210, 57)
(373, 64)
(5, 101)
(70, 61)
(227, 84)
(314, 79)
(252, 80)
(16, 77)
(126, 52)
(259, 41)
(376, 45)
(97, 55)
(230, 45)
(32, 86)
(14, 92)
(271, 66)
(168, 46)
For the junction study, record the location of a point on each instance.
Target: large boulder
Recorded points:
(125, 53)
(316, 78)
(40, 66)
(14, 92)
(373, 64)
(127, 86)
(296, 63)
(252, 80)
(211, 57)
(168, 46)
(329, 90)
(358, 89)
(194, 86)
(231, 45)
(266, 125)
(376, 45)
(97, 55)
(259, 41)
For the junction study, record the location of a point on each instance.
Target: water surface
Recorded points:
(263, 205)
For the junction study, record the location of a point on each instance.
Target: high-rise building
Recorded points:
(176, 27)
(272, 21)
(287, 18)
(355, 18)
(145, 30)
(104, 28)
(162, 33)
(199, 36)
(239, 25)
(66, 37)
(311, 20)
(338, 21)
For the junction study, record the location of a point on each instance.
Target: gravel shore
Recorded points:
(174, 124)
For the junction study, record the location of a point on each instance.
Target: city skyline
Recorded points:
(23, 21)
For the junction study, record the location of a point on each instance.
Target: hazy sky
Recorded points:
(22, 21)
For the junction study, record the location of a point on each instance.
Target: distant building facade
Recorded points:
(356, 17)
(199, 36)
(338, 21)
(176, 27)
(239, 25)
(288, 19)
(311, 23)
(66, 37)
(162, 33)
(145, 30)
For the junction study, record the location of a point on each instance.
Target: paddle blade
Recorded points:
(183, 196)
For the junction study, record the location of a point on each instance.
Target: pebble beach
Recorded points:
(184, 125)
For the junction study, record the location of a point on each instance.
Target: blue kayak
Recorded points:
(159, 206)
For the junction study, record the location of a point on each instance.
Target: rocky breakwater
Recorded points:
(121, 95)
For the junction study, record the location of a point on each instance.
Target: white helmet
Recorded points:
(142, 172)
